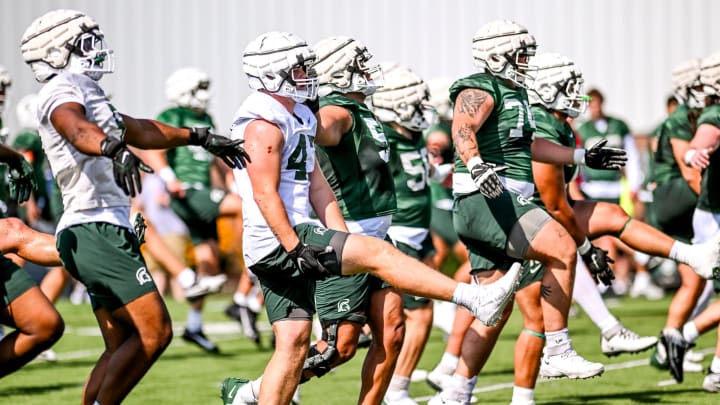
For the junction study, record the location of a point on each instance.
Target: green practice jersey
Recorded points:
(615, 132)
(561, 133)
(191, 164)
(409, 168)
(709, 199)
(505, 136)
(357, 167)
(676, 126)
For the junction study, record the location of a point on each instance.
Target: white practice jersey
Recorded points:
(298, 161)
(86, 182)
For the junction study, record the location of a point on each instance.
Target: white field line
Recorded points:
(610, 367)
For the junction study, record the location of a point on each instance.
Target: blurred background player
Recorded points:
(187, 174)
(608, 186)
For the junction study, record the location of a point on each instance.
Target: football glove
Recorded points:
(225, 148)
(22, 180)
(598, 262)
(139, 225)
(313, 261)
(600, 157)
(485, 177)
(126, 166)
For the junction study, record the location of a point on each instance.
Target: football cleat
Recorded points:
(398, 398)
(569, 365)
(205, 285)
(706, 263)
(198, 338)
(439, 400)
(626, 341)
(229, 390)
(711, 382)
(492, 299)
(675, 346)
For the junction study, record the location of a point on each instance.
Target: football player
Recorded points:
(86, 141)
(493, 184)
(285, 248)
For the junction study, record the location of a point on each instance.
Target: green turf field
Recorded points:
(185, 375)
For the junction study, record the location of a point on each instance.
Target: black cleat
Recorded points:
(198, 338)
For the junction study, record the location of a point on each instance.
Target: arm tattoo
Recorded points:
(545, 290)
(470, 100)
(465, 142)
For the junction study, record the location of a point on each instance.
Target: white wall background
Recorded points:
(625, 47)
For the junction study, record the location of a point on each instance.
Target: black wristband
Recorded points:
(110, 146)
(197, 135)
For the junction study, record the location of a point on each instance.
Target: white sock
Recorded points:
(586, 294)
(399, 383)
(557, 342)
(254, 304)
(449, 362)
(460, 388)
(690, 332)
(681, 252)
(96, 403)
(240, 299)
(522, 395)
(715, 365)
(186, 278)
(194, 320)
(464, 295)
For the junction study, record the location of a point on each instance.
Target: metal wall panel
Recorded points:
(625, 47)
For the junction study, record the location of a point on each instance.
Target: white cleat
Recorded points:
(47, 355)
(711, 382)
(398, 398)
(706, 263)
(693, 356)
(493, 298)
(569, 365)
(439, 400)
(205, 285)
(438, 379)
(627, 341)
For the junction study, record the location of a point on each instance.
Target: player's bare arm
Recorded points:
(323, 201)
(333, 122)
(550, 182)
(472, 108)
(263, 143)
(692, 176)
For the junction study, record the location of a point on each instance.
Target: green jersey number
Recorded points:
(416, 170)
(523, 111)
(298, 159)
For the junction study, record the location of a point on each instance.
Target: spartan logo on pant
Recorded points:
(143, 276)
(344, 305)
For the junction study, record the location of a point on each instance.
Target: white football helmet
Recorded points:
(5, 82)
(403, 98)
(26, 110)
(342, 67)
(188, 87)
(558, 84)
(503, 48)
(440, 97)
(687, 88)
(279, 62)
(66, 40)
(710, 74)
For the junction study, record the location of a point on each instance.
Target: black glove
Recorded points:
(226, 149)
(22, 180)
(126, 166)
(313, 261)
(485, 177)
(598, 262)
(598, 157)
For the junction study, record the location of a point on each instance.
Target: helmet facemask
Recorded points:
(518, 69)
(365, 79)
(558, 85)
(301, 83)
(90, 56)
(403, 99)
